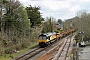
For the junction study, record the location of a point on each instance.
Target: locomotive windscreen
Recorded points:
(42, 37)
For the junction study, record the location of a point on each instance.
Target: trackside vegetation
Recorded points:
(16, 34)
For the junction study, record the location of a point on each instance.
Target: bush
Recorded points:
(25, 44)
(8, 51)
(5, 42)
(18, 47)
(11, 49)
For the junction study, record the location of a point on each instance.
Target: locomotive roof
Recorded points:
(48, 34)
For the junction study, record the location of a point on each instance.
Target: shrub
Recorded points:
(8, 50)
(18, 47)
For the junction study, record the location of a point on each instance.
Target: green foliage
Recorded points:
(14, 26)
(58, 30)
(48, 25)
(34, 15)
(15, 40)
(15, 31)
(15, 20)
(5, 42)
(15, 14)
(7, 51)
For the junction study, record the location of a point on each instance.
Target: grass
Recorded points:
(8, 57)
(5, 58)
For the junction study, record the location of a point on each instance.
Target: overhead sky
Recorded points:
(59, 9)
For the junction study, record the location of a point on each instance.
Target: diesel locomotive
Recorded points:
(47, 38)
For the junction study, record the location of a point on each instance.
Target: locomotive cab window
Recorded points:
(44, 37)
(40, 37)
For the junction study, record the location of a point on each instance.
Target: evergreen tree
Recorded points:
(34, 15)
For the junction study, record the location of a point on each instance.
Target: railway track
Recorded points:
(29, 54)
(59, 52)
(49, 55)
(63, 50)
(37, 50)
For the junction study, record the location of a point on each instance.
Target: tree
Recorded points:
(81, 22)
(34, 15)
(15, 19)
(15, 14)
(59, 21)
(48, 25)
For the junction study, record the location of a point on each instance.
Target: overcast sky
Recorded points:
(59, 9)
